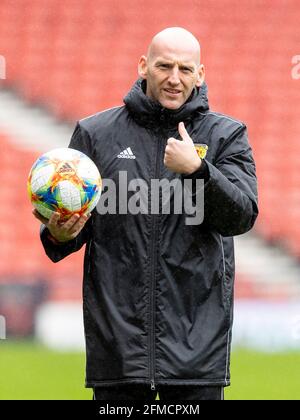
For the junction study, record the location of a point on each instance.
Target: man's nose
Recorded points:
(174, 78)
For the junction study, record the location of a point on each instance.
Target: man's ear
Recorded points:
(142, 67)
(201, 75)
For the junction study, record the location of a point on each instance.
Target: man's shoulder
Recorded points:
(224, 121)
(101, 119)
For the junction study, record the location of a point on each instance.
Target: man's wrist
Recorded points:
(196, 167)
(201, 173)
(54, 240)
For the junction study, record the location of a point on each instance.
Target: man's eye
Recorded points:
(164, 66)
(186, 70)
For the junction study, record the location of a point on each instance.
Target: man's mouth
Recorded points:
(172, 92)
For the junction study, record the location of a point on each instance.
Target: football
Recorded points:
(65, 181)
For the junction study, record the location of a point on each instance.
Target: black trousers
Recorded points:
(166, 392)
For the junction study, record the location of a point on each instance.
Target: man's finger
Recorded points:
(38, 216)
(168, 149)
(78, 226)
(171, 140)
(54, 219)
(183, 133)
(68, 225)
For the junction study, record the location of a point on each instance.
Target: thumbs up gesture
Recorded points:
(181, 156)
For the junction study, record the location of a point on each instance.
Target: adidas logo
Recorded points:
(126, 154)
(65, 168)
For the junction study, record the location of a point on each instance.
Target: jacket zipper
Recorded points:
(155, 219)
(152, 303)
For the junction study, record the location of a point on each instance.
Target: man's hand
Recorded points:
(63, 231)
(181, 156)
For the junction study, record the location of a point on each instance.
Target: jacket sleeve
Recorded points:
(56, 252)
(230, 191)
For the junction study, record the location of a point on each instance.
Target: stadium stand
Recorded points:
(21, 255)
(78, 57)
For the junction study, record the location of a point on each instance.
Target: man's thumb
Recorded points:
(183, 133)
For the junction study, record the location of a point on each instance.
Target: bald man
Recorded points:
(158, 291)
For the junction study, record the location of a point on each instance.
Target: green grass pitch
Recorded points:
(29, 371)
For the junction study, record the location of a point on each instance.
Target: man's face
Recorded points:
(171, 76)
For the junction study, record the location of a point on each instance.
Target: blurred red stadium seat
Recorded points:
(78, 57)
(21, 253)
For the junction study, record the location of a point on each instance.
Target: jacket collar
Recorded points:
(150, 113)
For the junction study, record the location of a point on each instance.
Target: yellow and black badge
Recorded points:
(201, 150)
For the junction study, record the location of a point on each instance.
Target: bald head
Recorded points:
(175, 40)
(172, 67)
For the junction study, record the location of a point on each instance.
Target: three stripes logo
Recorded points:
(66, 168)
(126, 154)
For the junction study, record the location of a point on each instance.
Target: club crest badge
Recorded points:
(201, 150)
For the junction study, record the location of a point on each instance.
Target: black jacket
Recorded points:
(157, 293)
